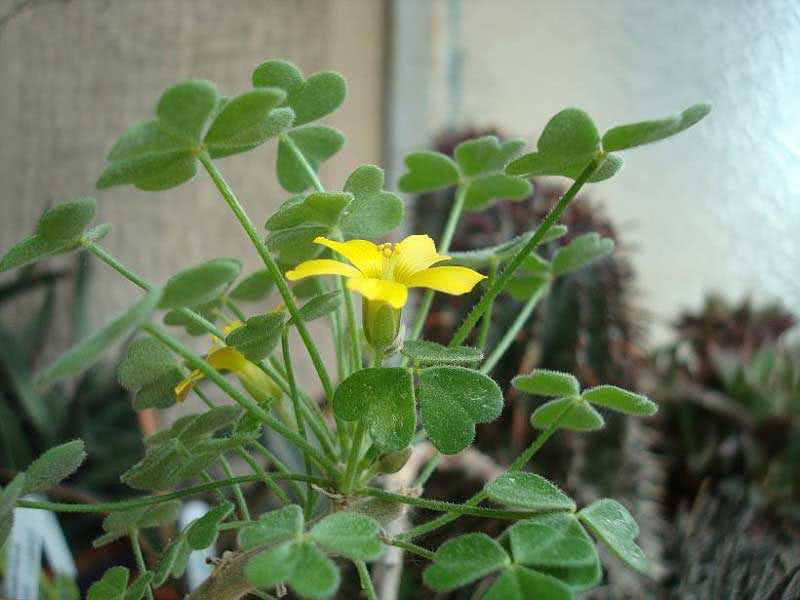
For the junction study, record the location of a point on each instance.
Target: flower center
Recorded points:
(389, 253)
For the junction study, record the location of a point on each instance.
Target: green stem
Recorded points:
(279, 465)
(298, 416)
(366, 582)
(523, 459)
(196, 362)
(486, 322)
(428, 470)
(409, 547)
(137, 279)
(105, 507)
(301, 158)
(511, 333)
(444, 245)
(235, 308)
(352, 328)
(352, 461)
(502, 280)
(272, 268)
(137, 552)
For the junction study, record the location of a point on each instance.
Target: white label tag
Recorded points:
(197, 568)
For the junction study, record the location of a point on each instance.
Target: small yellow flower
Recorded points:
(384, 272)
(224, 358)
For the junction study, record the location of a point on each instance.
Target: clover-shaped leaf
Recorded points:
(616, 528)
(571, 413)
(557, 545)
(485, 154)
(203, 532)
(301, 565)
(384, 399)
(425, 352)
(114, 586)
(521, 583)
(201, 284)
(374, 212)
(91, 348)
(528, 490)
(55, 465)
(620, 400)
(320, 208)
(257, 338)
(256, 286)
(463, 560)
(647, 132)
(311, 98)
(428, 171)
(482, 191)
(302, 148)
(272, 527)
(452, 400)
(60, 229)
(544, 382)
(247, 121)
(162, 153)
(151, 372)
(582, 251)
(350, 534)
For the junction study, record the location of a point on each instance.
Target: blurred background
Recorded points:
(697, 306)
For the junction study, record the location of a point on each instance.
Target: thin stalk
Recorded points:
(105, 507)
(444, 245)
(502, 280)
(352, 328)
(521, 461)
(511, 333)
(196, 362)
(235, 309)
(279, 464)
(352, 461)
(486, 322)
(428, 470)
(272, 268)
(409, 547)
(366, 582)
(137, 552)
(265, 477)
(301, 158)
(298, 416)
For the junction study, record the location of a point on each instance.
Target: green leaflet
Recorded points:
(350, 534)
(528, 490)
(465, 559)
(316, 143)
(272, 527)
(615, 527)
(581, 416)
(580, 252)
(647, 132)
(203, 532)
(256, 286)
(620, 400)
(201, 284)
(373, 212)
(89, 350)
(257, 338)
(425, 352)
(301, 565)
(428, 171)
(543, 382)
(151, 371)
(54, 466)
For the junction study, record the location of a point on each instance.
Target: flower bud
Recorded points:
(381, 324)
(258, 384)
(392, 462)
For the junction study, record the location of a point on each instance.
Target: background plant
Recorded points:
(331, 508)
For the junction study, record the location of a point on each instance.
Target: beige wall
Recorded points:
(76, 73)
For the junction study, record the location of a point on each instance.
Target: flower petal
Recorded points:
(365, 256)
(227, 359)
(322, 266)
(391, 292)
(187, 385)
(415, 253)
(450, 280)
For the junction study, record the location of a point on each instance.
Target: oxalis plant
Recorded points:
(386, 391)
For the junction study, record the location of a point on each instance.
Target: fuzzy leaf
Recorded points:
(90, 349)
(543, 382)
(464, 559)
(373, 212)
(318, 208)
(571, 132)
(521, 583)
(350, 534)
(158, 470)
(247, 121)
(321, 306)
(302, 566)
(485, 154)
(310, 99)
(425, 352)
(620, 400)
(151, 371)
(483, 191)
(253, 288)
(257, 338)
(112, 586)
(54, 466)
(185, 108)
(204, 531)
(8, 501)
(143, 517)
(647, 132)
(200, 284)
(296, 244)
(384, 399)
(316, 143)
(554, 540)
(272, 527)
(581, 417)
(452, 400)
(528, 490)
(613, 525)
(580, 252)
(167, 560)
(428, 171)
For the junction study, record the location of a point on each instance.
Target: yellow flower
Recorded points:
(384, 272)
(224, 358)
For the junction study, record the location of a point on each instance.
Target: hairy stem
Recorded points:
(366, 582)
(137, 553)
